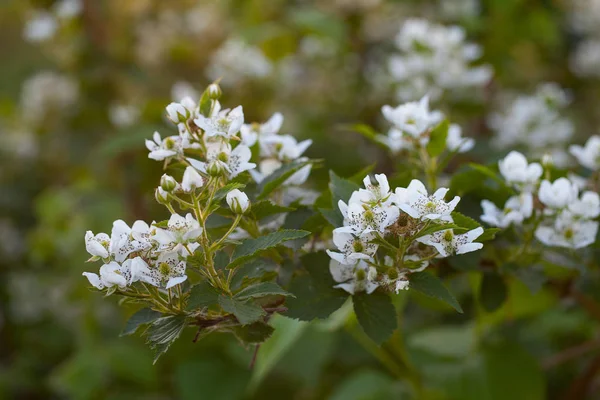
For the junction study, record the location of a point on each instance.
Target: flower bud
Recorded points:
(238, 201)
(161, 196)
(214, 91)
(215, 168)
(177, 113)
(547, 160)
(191, 180)
(168, 183)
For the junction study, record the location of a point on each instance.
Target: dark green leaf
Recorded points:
(257, 332)
(360, 175)
(463, 221)
(261, 289)
(333, 216)
(245, 312)
(251, 247)
(432, 286)
(277, 178)
(141, 317)
(165, 331)
(202, 295)
(376, 315)
(266, 208)
(493, 291)
(488, 234)
(341, 189)
(437, 139)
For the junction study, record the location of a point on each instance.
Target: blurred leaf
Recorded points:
(141, 317)
(370, 385)
(266, 208)
(251, 247)
(488, 234)
(493, 291)
(437, 139)
(432, 286)
(256, 332)
(211, 378)
(376, 315)
(246, 313)
(447, 341)
(261, 290)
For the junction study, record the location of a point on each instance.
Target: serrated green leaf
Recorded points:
(266, 208)
(376, 315)
(141, 317)
(251, 247)
(432, 286)
(279, 176)
(437, 139)
(202, 295)
(245, 312)
(341, 189)
(257, 332)
(261, 289)
(163, 332)
(493, 291)
(464, 222)
(488, 234)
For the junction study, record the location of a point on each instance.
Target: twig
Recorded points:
(253, 361)
(571, 353)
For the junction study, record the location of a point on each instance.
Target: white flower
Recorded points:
(233, 162)
(558, 194)
(41, 27)
(179, 233)
(269, 165)
(353, 246)
(354, 278)
(97, 245)
(416, 202)
(588, 155)
(588, 206)
(379, 193)
(516, 209)
(161, 149)
(111, 274)
(177, 112)
(137, 267)
(168, 271)
(396, 141)
(568, 232)
(455, 141)
(191, 180)
(447, 243)
(413, 118)
(125, 240)
(223, 123)
(68, 8)
(361, 217)
(238, 201)
(515, 170)
(250, 133)
(283, 147)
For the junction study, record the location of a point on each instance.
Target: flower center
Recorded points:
(358, 247)
(448, 235)
(164, 269)
(361, 275)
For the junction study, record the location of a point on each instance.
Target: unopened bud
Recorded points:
(168, 183)
(177, 113)
(215, 168)
(238, 201)
(161, 196)
(214, 91)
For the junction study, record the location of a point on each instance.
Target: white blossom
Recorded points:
(373, 193)
(180, 232)
(233, 162)
(416, 202)
(413, 118)
(588, 206)
(361, 216)
(455, 141)
(97, 245)
(191, 180)
(447, 243)
(516, 209)
(41, 27)
(111, 274)
(167, 271)
(125, 240)
(588, 155)
(558, 194)
(250, 133)
(225, 123)
(516, 170)
(355, 278)
(353, 246)
(567, 231)
(163, 149)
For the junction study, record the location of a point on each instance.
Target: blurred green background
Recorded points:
(76, 106)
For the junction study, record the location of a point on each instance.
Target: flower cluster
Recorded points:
(434, 59)
(386, 235)
(585, 19)
(560, 216)
(535, 121)
(412, 124)
(43, 24)
(238, 61)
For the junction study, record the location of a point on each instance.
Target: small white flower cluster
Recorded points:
(43, 25)
(143, 252)
(434, 59)
(535, 121)
(411, 125)
(237, 61)
(376, 212)
(585, 20)
(45, 93)
(565, 219)
(588, 155)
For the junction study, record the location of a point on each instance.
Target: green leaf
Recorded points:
(252, 270)
(163, 332)
(141, 317)
(360, 175)
(487, 171)
(261, 289)
(246, 313)
(463, 221)
(437, 139)
(333, 216)
(488, 234)
(277, 178)
(222, 193)
(315, 297)
(492, 292)
(341, 189)
(266, 208)
(251, 247)
(257, 332)
(202, 295)
(376, 315)
(432, 286)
